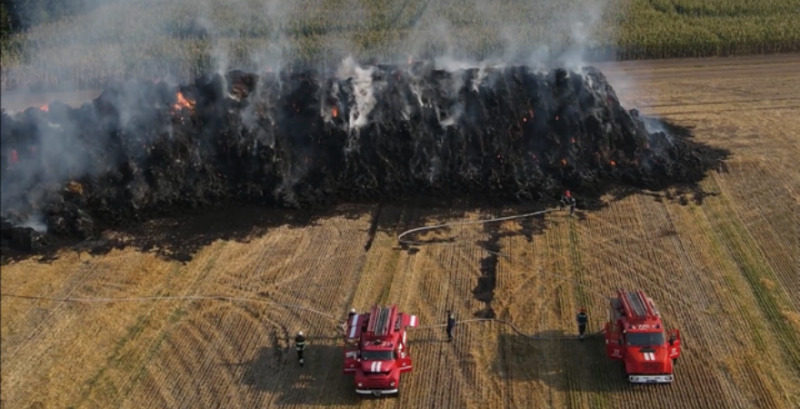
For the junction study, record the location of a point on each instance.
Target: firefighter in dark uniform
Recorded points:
(568, 200)
(582, 319)
(451, 323)
(300, 346)
(346, 324)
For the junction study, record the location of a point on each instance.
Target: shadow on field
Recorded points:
(559, 360)
(319, 382)
(178, 236)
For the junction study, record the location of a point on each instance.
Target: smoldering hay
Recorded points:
(304, 139)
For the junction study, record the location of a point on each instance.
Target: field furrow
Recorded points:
(721, 262)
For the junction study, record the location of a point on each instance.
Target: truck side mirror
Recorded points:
(672, 339)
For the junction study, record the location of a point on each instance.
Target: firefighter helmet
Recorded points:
(300, 333)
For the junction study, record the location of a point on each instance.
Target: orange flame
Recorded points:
(556, 117)
(45, 107)
(74, 187)
(334, 111)
(573, 140)
(524, 119)
(182, 103)
(564, 162)
(613, 163)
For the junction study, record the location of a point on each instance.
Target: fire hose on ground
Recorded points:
(485, 221)
(311, 310)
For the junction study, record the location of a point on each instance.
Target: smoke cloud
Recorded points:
(288, 102)
(147, 39)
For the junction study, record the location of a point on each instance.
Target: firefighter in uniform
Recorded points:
(568, 200)
(345, 325)
(300, 346)
(451, 322)
(582, 319)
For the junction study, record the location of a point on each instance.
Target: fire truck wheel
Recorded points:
(675, 361)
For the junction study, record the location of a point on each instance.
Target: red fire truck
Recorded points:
(376, 351)
(635, 336)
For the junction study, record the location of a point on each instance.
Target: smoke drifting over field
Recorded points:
(307, 139)
(146, 39)
(511, 127)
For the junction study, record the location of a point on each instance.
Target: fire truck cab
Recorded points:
(636, 336)
(376, 349)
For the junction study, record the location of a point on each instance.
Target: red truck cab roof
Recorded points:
(376, 352)
(641, 338)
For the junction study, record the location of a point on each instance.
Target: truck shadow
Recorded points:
(320, 382)
(559, 360)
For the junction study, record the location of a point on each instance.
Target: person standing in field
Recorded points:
(451, 323)
(300, 346)
(582, 319)
(568, 200)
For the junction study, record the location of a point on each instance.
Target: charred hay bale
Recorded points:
(304, 139)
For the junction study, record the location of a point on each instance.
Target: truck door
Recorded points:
(403, 355)
(613, 346)
(351, 352)
(674, 344)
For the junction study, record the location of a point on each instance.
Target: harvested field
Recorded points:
(721, 263)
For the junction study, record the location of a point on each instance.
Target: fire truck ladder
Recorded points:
(384, 321)
(637, 304)
(373, 318)
(379, 320)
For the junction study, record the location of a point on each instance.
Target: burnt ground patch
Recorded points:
(487, 281)
(484, 290)
(373, 226)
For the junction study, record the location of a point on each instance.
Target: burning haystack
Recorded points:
(304, 139)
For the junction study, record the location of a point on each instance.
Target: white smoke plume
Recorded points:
(116, 40)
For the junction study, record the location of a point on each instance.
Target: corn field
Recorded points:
(147, 39)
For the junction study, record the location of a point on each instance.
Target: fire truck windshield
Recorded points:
(644, 339)
(378, 355)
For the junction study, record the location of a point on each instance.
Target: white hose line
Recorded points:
(439, 226)
(519, 216)
(299, 307)
(289, 306)
(510, 324)
(174, 298)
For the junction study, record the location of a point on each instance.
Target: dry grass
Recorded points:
(726, 275)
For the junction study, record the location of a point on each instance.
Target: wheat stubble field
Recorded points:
(724, 271)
